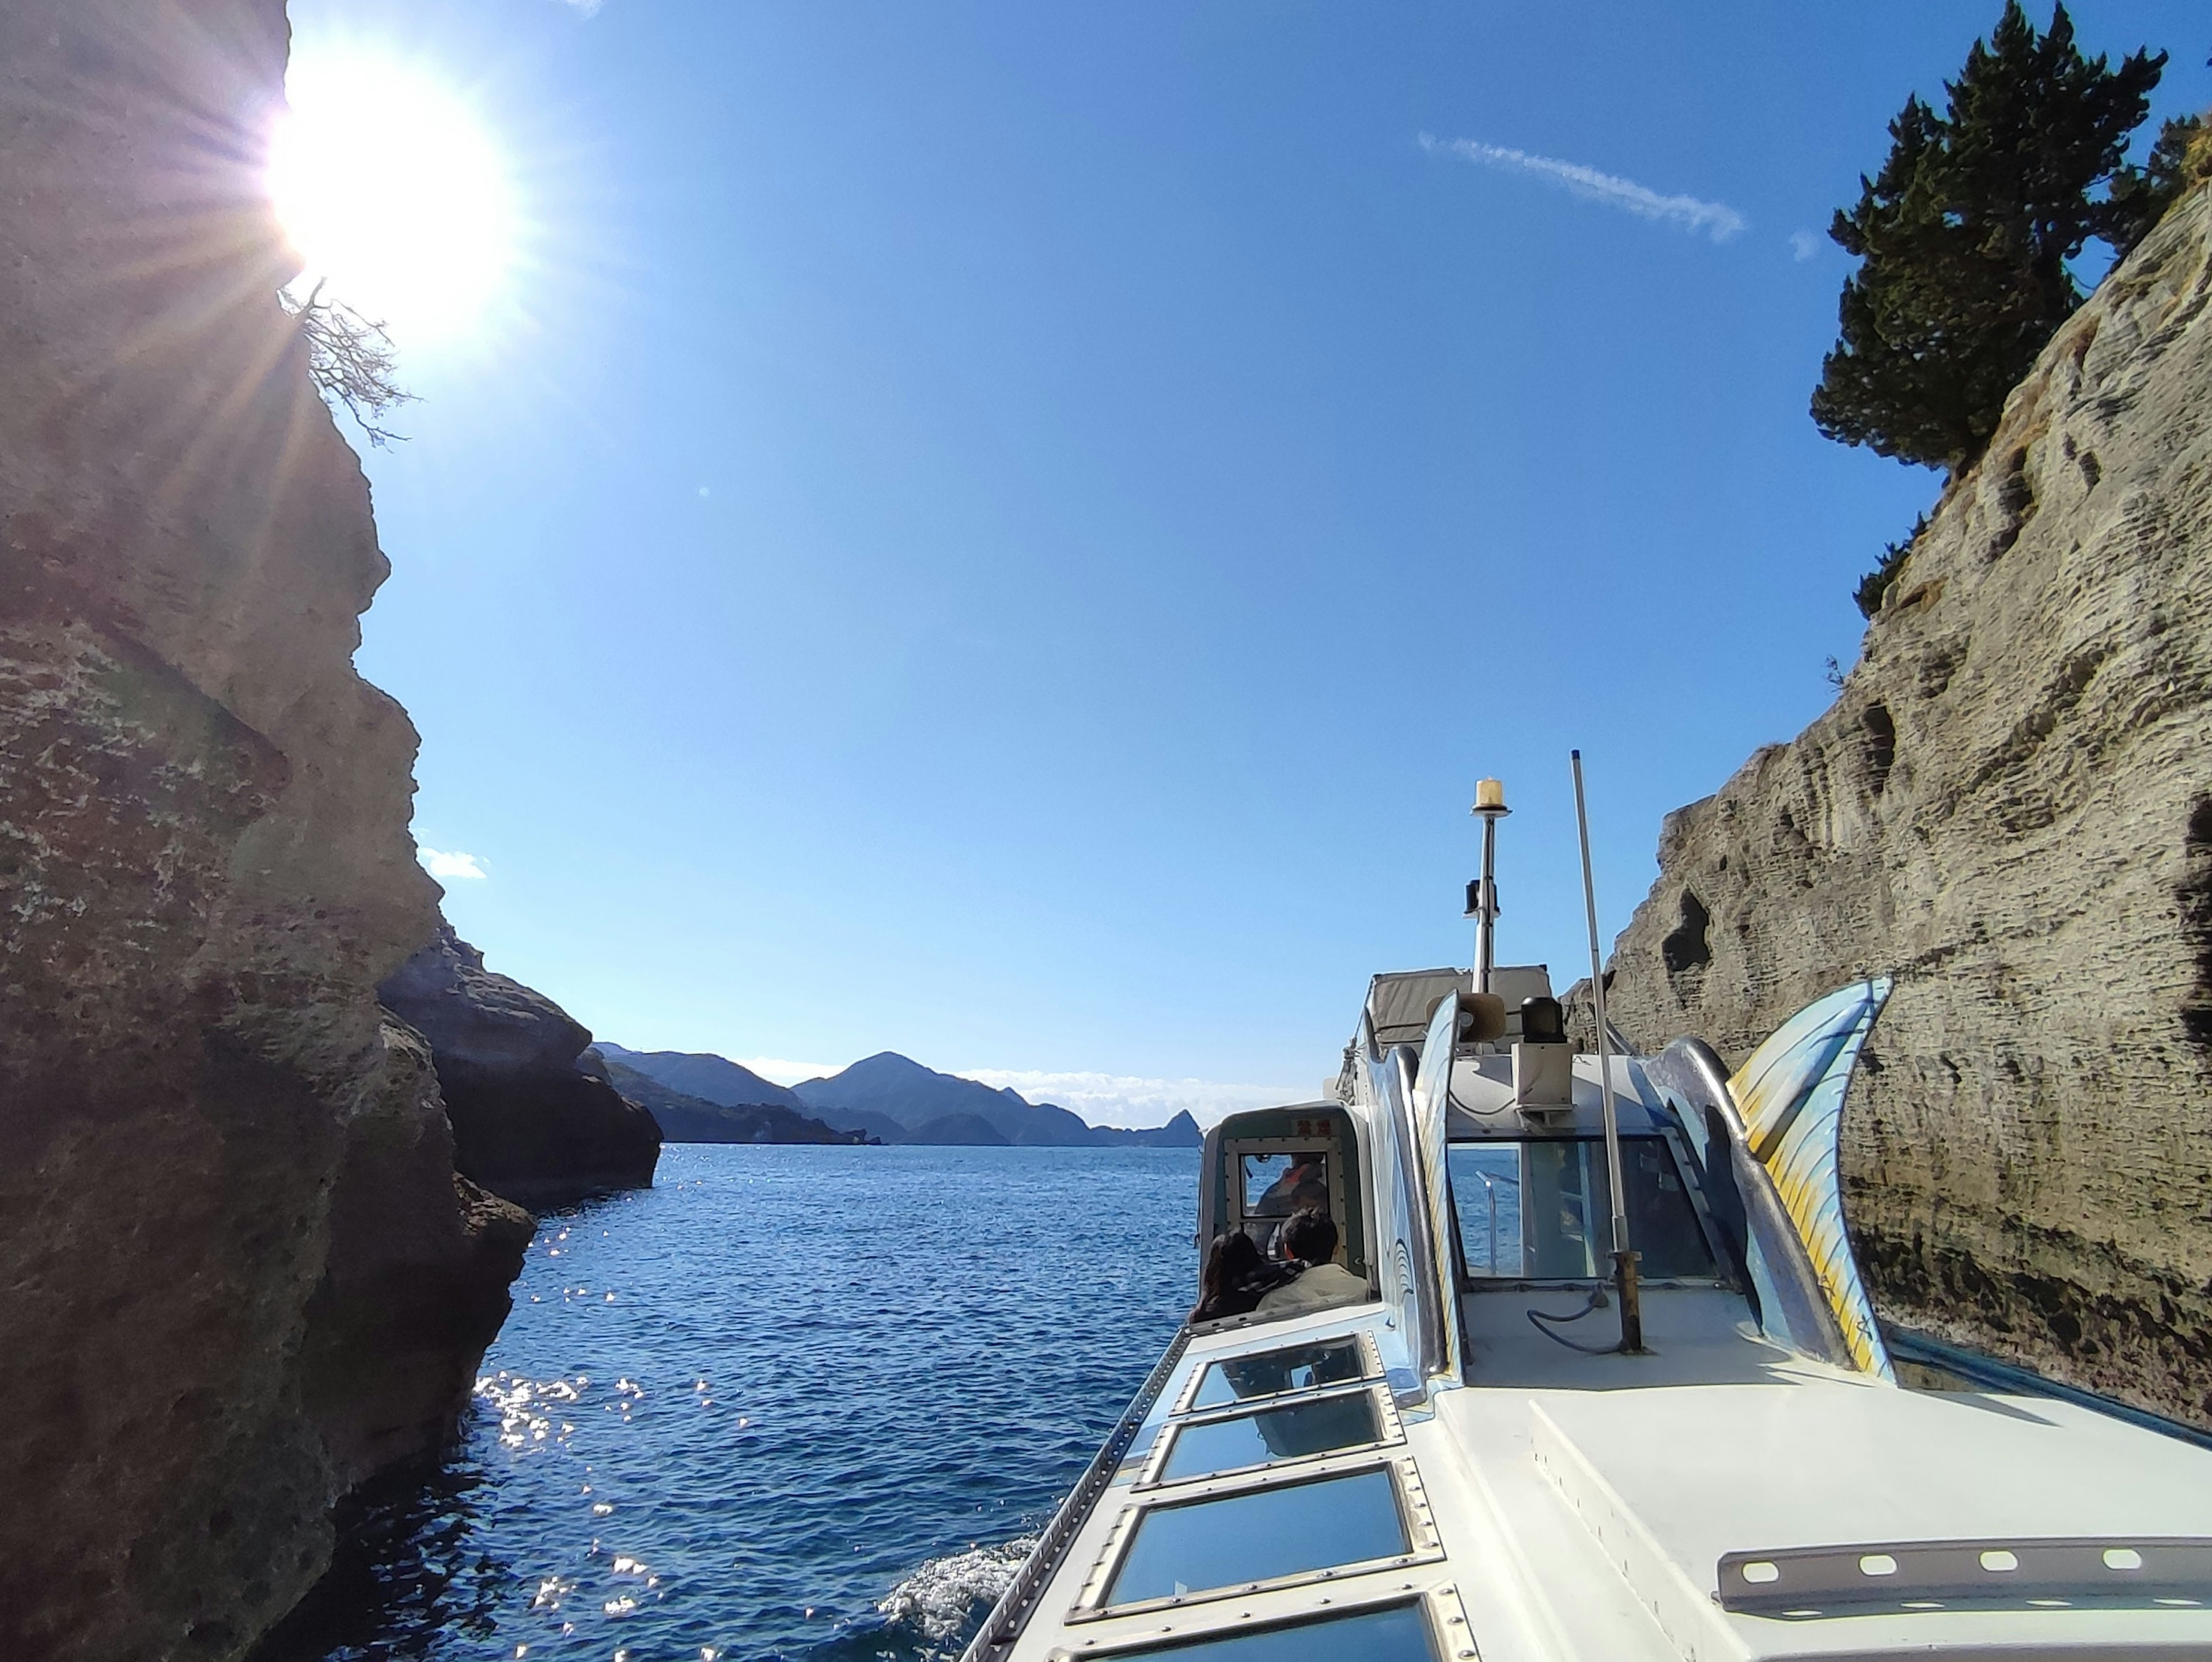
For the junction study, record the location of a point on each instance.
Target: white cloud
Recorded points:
(1804, 244)
(781, 1070)
(582, 8)
(1126, 1100)
(1717, 219)
(449, 866)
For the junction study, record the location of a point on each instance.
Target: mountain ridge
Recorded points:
(899, 1099)
(686, 1118)
(703, 1075)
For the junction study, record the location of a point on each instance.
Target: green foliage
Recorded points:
(1964, 238)
(2181, 158)
(1875, 584)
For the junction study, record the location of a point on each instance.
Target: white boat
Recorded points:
(1466, 1464)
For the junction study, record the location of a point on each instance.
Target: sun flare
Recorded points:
(393, 195)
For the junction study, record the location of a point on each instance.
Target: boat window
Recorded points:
(1541, 1209)
(1275, 1185)
(1258, 1534)
(1287, 1431)
(1396, 1633)
(1294, 1367)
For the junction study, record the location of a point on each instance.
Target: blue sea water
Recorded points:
(792, 1403)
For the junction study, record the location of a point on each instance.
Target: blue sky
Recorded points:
(1008, 533)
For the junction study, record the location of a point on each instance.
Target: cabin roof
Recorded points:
(1484, 1105)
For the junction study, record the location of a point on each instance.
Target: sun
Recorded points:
(393, 195)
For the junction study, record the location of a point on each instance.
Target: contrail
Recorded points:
(1717, 219)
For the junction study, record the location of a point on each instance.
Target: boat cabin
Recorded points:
(1470, 1464)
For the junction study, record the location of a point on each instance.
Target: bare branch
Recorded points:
(351, 361)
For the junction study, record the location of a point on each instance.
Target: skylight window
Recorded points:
(1293, 1430)
(1294, 1367)
(1261, 1535)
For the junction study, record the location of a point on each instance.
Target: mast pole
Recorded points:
(1488, 807)
(1623, 1257)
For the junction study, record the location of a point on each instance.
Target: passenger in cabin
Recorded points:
(1310, 1240)
(1236, 1275)
(1311, 1195)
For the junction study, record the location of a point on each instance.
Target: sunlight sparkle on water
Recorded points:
(392, 193)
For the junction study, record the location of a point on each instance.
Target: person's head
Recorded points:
(1231, 1259)
(1313, 1192)
(1310, 1235)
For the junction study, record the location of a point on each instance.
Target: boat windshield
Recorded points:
(1540, 1209)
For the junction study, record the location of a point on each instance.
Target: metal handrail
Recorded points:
(1490, 1188)
(1007, 1617)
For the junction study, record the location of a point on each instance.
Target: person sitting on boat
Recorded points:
(1310, 1240)
(1236, 1274)
(1308, 1195)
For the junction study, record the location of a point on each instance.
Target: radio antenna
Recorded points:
(1623, 1257)
(1482, 895)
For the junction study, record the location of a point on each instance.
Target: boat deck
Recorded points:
(1548, 1511)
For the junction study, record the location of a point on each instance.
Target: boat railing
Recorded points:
(1490, 1192)
(1405, 1253)
(1004, 1624)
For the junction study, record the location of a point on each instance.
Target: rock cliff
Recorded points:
(237, 1271)
(527, 1124)
(2010, 806)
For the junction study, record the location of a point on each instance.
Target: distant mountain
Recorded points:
(1180, 1132)
(887, 1096)
(859, 1120)
(960, 1130)
(710, 1078)
(684, 1118)
(903, 1090)
(918, 1100)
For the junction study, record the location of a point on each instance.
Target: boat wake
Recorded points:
(946, 1597)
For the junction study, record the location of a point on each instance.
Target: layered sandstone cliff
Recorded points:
(528, 1123)
(2010, 807)
(237, 1271)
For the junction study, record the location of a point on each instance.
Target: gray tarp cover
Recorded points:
(1400, 1003)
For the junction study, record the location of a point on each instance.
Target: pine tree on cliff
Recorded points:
(1964, 237)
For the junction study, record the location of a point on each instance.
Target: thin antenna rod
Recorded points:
(1486, 921)
(1488, 807)
(1624, 1257)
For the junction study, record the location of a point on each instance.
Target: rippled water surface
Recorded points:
(798, 1402)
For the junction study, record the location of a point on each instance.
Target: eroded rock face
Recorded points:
(235, 1272)
(2009, 806)
(528, 1123)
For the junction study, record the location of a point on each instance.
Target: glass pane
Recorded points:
(1395, 1635)
(1260, 1535)
(1563, 1202)
(1287, 1432)
(1295, 1367)
(1485, 1185)
(1276, 1186)
(1544, 1208)
(1663, 1223)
